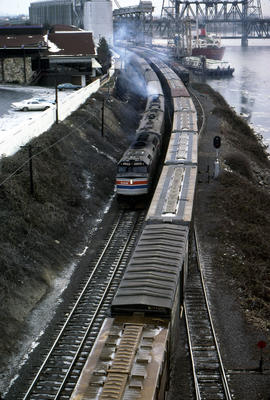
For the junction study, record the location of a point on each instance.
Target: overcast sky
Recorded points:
(15, 7)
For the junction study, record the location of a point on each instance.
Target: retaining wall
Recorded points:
(11, 140)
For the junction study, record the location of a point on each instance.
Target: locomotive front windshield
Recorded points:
(132, 168)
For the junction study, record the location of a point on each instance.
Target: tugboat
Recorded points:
(205, 66)
(207, 45)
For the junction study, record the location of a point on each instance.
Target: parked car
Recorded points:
(43, 100)
(31, 105)
(68, 86)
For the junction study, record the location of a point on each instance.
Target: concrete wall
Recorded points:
(11, 140)
(13, 70)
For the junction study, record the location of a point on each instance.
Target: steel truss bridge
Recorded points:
(233, 19)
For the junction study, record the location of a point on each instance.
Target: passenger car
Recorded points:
(31, 105)
(68, 86)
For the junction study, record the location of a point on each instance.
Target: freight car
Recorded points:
(181, 71)
(131, 356)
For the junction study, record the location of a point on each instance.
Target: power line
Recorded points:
(42, 151)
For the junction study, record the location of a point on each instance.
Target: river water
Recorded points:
(248, 90)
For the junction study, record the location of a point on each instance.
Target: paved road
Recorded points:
(10, 95)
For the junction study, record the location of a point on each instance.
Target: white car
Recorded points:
(31, 105)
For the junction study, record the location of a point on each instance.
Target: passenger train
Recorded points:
(131, 357)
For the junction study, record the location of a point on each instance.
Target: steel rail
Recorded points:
(86, 285)
(191, 90)
(98, 307)
(222, 370)
(196, 384)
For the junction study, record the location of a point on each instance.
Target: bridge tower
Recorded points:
(251, 9)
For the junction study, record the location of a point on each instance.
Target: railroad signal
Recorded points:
(217, 142)
(261, 344)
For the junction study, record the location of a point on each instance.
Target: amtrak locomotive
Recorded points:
(135, 170)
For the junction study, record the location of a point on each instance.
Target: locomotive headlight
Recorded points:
(131, 181)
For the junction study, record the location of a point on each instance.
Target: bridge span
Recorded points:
(234, 19)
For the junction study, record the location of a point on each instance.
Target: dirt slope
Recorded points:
(74, 175)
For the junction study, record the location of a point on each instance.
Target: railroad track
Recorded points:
(201, 119)
(210, 380)
(61, 368)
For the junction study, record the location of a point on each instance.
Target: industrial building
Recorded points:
(94, 16)
(52, 12)
(98, 19)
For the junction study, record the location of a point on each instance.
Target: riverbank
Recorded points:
(232, 217)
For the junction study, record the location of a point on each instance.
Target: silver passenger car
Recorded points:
(184, 121)
(174, 195)
(182, 148)
(183, 104)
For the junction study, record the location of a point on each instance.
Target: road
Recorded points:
(11, 94)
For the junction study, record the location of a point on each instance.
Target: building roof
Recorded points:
(63, 41)
(65, 28)
(78, 43)
(22, 36)
(22, 41)
(10, 29)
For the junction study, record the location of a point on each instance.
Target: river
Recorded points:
(248, 90)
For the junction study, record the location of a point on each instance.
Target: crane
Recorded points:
(117, 4)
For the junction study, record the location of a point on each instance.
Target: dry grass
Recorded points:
(239, 212)
(244, 233)
(244, 226)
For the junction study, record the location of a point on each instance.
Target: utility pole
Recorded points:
(102, 118)
(56, 101)
(31, 170)
(30, 167)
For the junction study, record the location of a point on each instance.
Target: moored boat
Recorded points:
(207, 45)
(202, 65)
